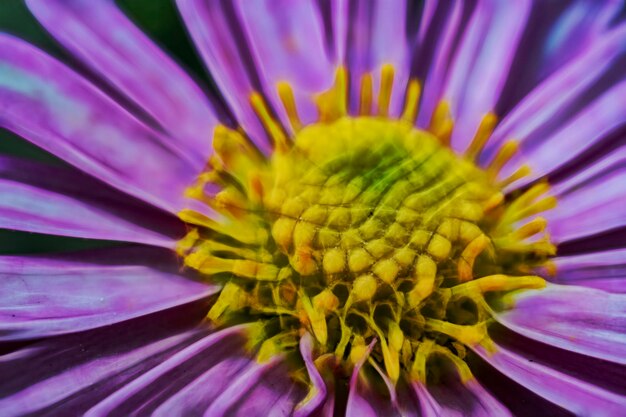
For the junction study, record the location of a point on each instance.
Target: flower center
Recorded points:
(363, 229)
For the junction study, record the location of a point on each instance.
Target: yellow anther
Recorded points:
(270, 124)
(304, 234)
(365, 100)
(386, 270)
(498, 282)
(285, 92)
(396, 336)
(386, 85)
(282, 232)
(439, 247)
(420, 238)
(358, 352)
(468, 256)
(444, 133)
(339, 217)
(504, 155)
(326, 301)
(463, 370)
(494, 201)
(327, 238)
(469, 335)
(231, 297)
(378, 248)
(185, 244)
(317, 320)
(533, 227)
(440, 116)
(303, 262)
(487, 124)
(418, 369)
(411, 101)
(333, 103)
(520, 173)
(359, 260)
(404, 256)
(364, 287)
(315, 214)
(293, 207)
(334, 261)
(425, 273)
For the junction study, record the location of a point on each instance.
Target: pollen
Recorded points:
(364, 230)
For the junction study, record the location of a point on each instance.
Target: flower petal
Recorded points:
(289, 44)
(68, 374)
(570, 393)
(225, 53)
(481, 65)
(60, 201)
(318, 388)
(602, 270)
(179, 372)
(437, 49)
(455, 398)
(102, 37)
(363, 401)
(53, 107)
(257, 390)
(583, 320)
(550, 106)
(43, 296)
(377, 35)
(592, 202)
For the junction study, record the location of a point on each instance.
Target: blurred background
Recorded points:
(159, 19)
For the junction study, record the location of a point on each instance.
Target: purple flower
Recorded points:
(392, 208)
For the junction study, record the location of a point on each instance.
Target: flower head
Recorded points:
(391, 209)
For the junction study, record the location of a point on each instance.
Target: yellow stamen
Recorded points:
(285, 93)
(487, 124)
(386, 85)
(270, 124)
(365, 102)
(411, 101)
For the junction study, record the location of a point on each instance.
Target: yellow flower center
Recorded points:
(364, 227)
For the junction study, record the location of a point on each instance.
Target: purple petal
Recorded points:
(376, 36)
(56, 109)
(578, 26)
(44, 296)
(440, 38)
(583, 320)
(318, 384)
(213, 28)
(575, 395)
(180, 375)
(534, 120)
(483, 59)
(362, 400)
(288, 41)
(53, 375)
(102, 37)
(60, 201)
(257, 390)
(455, 398)
(593, 201)
(602, 270)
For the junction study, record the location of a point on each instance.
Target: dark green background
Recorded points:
(157, 18)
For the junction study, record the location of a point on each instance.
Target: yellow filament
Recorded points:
(386, 85)
(471, 251)
(285, 92)
(270, 124)
(487, 124)
(520, 173)
(504, 155)
(411, 104)
(365, 102)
